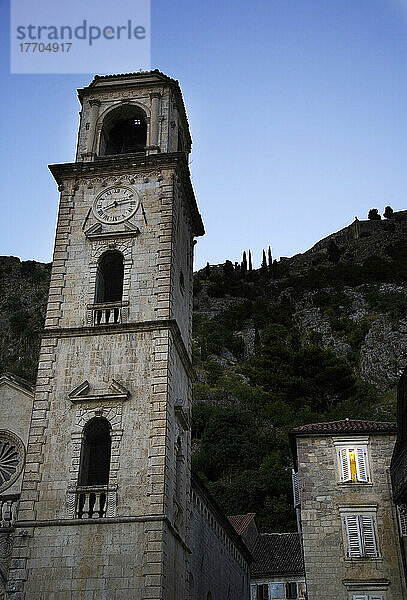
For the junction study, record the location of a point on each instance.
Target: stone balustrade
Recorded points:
(95, 502)
(107, 314)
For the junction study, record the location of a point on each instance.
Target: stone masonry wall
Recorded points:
(327, 566)
(217, 566)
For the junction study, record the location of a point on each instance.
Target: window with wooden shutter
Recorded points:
(361, 467)
(291, 590)
(262, 591)
(402, 514)
(353, 536)
(296, 489)
(360, 533)
(345, 464)
(366, 523)
(353, 464)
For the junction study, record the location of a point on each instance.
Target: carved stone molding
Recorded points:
(115, 393)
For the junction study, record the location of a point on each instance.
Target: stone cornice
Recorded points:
(119, 163)
(170, 324)
(75, 522)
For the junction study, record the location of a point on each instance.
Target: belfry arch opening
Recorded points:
(95, 453)
(124, 131)
(109, 278)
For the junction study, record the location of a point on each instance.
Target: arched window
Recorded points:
(124, 131)
(109, 279)
(95, 454)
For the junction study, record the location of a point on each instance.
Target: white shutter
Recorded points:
(296, 489)
(360, 597)
(345, 464)
(361, 464)
(402, 513)
(375, 597)
(353, 536)
(368, 536)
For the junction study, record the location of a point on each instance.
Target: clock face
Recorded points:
(116, 204)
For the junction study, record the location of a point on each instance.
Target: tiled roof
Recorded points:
(240, 522)
(277, 554)
(347, 426)
(134, 74)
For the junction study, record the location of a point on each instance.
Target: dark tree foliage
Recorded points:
(228, 270)
(250, 261)
(23, 298)
(373, 215)
(242, 412)
(388, 212)
(334, 253)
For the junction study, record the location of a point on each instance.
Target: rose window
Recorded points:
(11, 459)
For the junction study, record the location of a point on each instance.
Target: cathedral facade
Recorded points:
(103, 503)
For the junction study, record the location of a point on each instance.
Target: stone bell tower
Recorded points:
(104, 510)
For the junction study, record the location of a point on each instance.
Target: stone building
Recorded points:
(398, 468)
(107, 509)
(348, 520)
(16, 400)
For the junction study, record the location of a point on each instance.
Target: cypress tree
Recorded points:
(270, 258)
(243, 266)
(250, 261)
(264, 262)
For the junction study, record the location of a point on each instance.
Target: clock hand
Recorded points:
(116, 203)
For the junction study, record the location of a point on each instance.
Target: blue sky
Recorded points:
(297, 110)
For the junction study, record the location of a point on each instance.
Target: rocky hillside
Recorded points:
(319, 336)
(23, 299)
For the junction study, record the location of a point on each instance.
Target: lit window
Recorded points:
(360, 535)
(137, 121)
(301, 590)
(353, 464)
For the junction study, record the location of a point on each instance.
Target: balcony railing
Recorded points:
(94, 502)
(8, 510)
(398, 472)
(107, 314)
